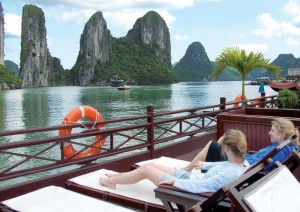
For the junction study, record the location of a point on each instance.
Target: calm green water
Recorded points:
(42, 107)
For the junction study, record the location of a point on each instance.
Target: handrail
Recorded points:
(135, 133)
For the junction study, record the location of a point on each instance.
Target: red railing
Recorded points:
(39, 152)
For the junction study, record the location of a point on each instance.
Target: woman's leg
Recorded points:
(144, 172)
(112, 174)
(165, 169)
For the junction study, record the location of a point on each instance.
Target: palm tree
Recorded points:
(243, 63)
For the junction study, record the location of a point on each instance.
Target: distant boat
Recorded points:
(123, 87)
(258, 81)
(279, 85)
(116, 81)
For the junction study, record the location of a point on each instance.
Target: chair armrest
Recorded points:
(184, 200)
(172, 188)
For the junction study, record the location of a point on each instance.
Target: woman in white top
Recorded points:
(218, 175)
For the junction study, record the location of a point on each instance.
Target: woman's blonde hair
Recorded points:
(287, 127)
(236, 141)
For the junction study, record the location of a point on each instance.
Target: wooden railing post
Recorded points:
(263, 100)
(150, 131)
(222, 103)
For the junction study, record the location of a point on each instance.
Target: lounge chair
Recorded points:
(53, 198)
(293, 161)
(173, 162)
(139, 196)
(185, 201)
(278, 191)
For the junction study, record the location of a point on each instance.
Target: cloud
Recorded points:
(271, 27)
(12, 25)
(210, 0)
(254, 47)
(292, 42)
(76, 16)
(290, 29)
(118, 14)
(182, 37)
(114, 5)
(293, 8)
(126, 19)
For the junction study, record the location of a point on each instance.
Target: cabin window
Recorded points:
(33, 54)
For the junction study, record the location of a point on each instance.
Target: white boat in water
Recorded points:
(123, 87)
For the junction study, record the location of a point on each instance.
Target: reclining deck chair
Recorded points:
(139, 196)
(292, 162)
(53, 198)
(185, 200)
(278, 191)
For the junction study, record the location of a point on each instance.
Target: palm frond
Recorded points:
(243, 63)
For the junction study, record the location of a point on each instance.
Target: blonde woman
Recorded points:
(218, 175)
(281, 130)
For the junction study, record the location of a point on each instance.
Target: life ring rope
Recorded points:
(71, 118)
(66, 122)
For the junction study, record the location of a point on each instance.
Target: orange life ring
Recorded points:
(72, 117)
(256, 102)
(238, 99)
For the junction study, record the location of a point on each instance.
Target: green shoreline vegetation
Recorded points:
(6, 76)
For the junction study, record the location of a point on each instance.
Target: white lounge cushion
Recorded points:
(143, 190)
(167, 161)
(53, 198)
(280, 192)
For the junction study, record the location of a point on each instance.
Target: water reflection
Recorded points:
(197, 94)
(61, 101)
(113, 103)
(35, 107)
(2, 110)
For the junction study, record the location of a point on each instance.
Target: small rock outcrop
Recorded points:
(195, 64)
(13, 67)
(151, 29)
(94, 47)
(8, 80)
(56, 76)
(34, 58)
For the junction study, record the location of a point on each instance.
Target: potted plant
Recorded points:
(287, 99)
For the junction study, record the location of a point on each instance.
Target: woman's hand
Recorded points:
(167, 182)
(198, 165)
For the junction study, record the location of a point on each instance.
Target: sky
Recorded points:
(271, 27)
